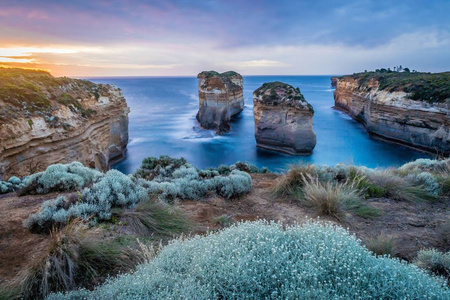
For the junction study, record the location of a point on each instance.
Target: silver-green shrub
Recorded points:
(114, 189)
(435, 261)
(13, 184)
(425, 164)
(62, 178)
(429, 183)
(257, 260)
(171, 179)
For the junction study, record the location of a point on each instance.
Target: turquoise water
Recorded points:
(162, 122)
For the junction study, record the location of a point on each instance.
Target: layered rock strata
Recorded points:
(392, 115)
(333, 81)
(46, 120)
(220, 98)
(283, 119)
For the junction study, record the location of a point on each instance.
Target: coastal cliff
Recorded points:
(46, 120)
(283, 119)
(408, 108)
(220, 98)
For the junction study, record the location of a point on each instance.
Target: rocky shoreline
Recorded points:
(393, 116)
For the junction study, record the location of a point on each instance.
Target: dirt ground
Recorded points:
(413, 226)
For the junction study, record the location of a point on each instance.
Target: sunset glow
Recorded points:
(96, 38)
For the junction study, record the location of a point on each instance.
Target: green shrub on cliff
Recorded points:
(257, 260)
(172, 178)
(114, 189)
(60, 178)
(429, 87)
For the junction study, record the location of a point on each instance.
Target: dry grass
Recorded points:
(155, 217)
(381, 245)
(398, 188)
(77, 256)
(293, 179)
(330, 198)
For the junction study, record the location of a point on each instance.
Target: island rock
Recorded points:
(283, 119)
(46, 120)
(220, 98)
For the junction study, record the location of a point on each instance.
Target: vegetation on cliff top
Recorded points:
(280, 93)
(258, 260)
(38, 92)
(82, 254)
(225, 77)
(429, 87)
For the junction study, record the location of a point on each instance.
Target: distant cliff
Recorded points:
(221, 97)
(283, 119)
(408, 108)
(46, 120)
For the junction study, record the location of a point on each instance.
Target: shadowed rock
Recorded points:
(283, 119)
(220, 98)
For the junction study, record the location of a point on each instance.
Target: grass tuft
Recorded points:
(381, 245)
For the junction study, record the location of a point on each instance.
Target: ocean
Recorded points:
(162, 122)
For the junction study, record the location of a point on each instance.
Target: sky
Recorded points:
(252, 37)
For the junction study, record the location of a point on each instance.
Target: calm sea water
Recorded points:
(162, 122)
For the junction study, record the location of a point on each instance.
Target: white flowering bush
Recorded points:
(258, 260)
(60, 178)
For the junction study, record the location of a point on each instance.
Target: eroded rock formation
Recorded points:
(283, 119)
(220, 98)
(333, 81)
(390, 113)
(46, 120)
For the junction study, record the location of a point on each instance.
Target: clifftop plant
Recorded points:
(258, 260)
(171, 179)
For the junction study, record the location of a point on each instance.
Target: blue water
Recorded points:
(162, 122)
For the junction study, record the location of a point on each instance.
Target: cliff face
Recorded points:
(283, 119)
(46, 120)
(393, 115)
(221, 97)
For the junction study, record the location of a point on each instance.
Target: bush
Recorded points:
(171, 179)
(60, 178)
(434, 261)
(427, 165)
(13, 184)
(257, 260)
(427, 181)
(112, 190)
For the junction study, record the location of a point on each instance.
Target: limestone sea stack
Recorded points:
(220, 98)
(333, 81)
(408, 108)
(283, 119)
(46, 120)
